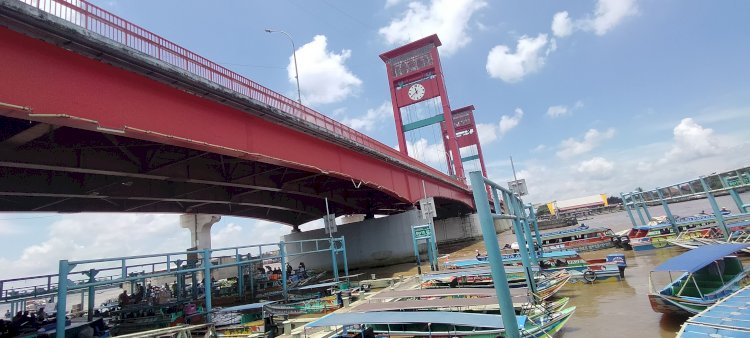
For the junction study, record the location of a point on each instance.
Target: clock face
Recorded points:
(416, 91)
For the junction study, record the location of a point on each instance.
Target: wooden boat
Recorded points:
(547, 284)
(441, 323)
(582, 238)
(698, 279)
(738, 237)
(612, 267)
(659, 231)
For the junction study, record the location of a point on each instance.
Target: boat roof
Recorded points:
(485, 271)
(413, 317)
(244, 307)
(729, 318)
(425, 304)
(699, 257)
(316, 286)
(577, 230)
(512, 258)
(447, 292)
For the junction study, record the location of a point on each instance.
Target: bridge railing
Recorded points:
(111, 26)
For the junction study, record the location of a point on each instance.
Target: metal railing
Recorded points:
(108, 25)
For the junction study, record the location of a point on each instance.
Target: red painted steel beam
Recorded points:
(67, 89)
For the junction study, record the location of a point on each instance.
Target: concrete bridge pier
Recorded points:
(200, 228)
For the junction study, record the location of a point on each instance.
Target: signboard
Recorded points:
(518, 187)
(427, 207)
(330, 223)
(422, 232)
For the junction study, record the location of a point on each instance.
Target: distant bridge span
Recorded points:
(98, 114)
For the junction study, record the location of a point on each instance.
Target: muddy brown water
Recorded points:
(604, 309)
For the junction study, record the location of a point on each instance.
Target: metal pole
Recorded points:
(514, 168)
(207, 281)
(521, 242)
(343, 252)
(637, 208)
(735, 196)
(282, 253)
(62, 293)
(294, 56)
(715, 207)
(334, 264)
(240, 273)
(645, 206)
(627, 208)
(493, 255)
(532, 213)
(92, 274)
(668, 212)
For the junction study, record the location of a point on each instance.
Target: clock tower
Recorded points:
(414, 76)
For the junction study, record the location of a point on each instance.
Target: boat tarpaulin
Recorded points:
(446, 292)
(316, 286)
(479, 320)
(245, 307)
(699, 257)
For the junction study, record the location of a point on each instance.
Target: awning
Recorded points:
(399, 317)
(699, 257)
(245, 307)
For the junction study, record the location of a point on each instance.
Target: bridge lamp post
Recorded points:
(294, 55)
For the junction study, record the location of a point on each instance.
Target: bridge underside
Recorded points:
(44, 167)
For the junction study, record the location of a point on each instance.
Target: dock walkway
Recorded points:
(728, 318)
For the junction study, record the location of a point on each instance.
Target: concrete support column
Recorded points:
(200, 228)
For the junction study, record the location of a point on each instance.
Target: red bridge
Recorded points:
(98, 114)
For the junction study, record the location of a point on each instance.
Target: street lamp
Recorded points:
(294, 55)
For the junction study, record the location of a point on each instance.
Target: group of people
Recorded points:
(23, 320)
(301, 269)
(148, 294)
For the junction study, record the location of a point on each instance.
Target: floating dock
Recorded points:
(728, 318)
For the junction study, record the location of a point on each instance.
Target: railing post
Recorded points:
(521, 240)
(62, 297)
(645, 206)
(92, 278)
(240, 273)
(715, 207)
(532, 214)
(637, 206)
(627, 208)
(668, 212)
(493, 255)
(334, 264)
(282, 252)
(343, 252)
(207, 281)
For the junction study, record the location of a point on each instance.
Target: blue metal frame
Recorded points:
(66, 267)
(520, 220)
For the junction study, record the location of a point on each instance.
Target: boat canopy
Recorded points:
(446, 292)
(571, 232)
(427, 304)
(316, 286)
(415, 317)
(245, 307)
(699, 257)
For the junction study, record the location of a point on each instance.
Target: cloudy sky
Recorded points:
(596, 96)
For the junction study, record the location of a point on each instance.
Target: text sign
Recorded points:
(518, 187)
(422, 232)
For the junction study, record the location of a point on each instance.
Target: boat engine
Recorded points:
(616, 241)
(625, 243)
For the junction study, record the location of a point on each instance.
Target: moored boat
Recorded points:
(698, 279)
(659, 231)
(582, 238)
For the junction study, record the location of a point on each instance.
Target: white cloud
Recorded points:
(563, 110)
(572, 147)
(391, 3)
(607, 15)
(539, 148)
(371, 119)
(487, 133)
(597, 167)
(491, 132)
(323, 77)
(433, 154)
(508, 122)
(562, 26)
(691, 141)
(557, 111)
(528, 58)
(449, 19)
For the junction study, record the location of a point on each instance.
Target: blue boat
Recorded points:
(699, 278)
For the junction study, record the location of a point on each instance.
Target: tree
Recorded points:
(542, 210)
(614, 200)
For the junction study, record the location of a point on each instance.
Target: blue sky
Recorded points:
(587, 96)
